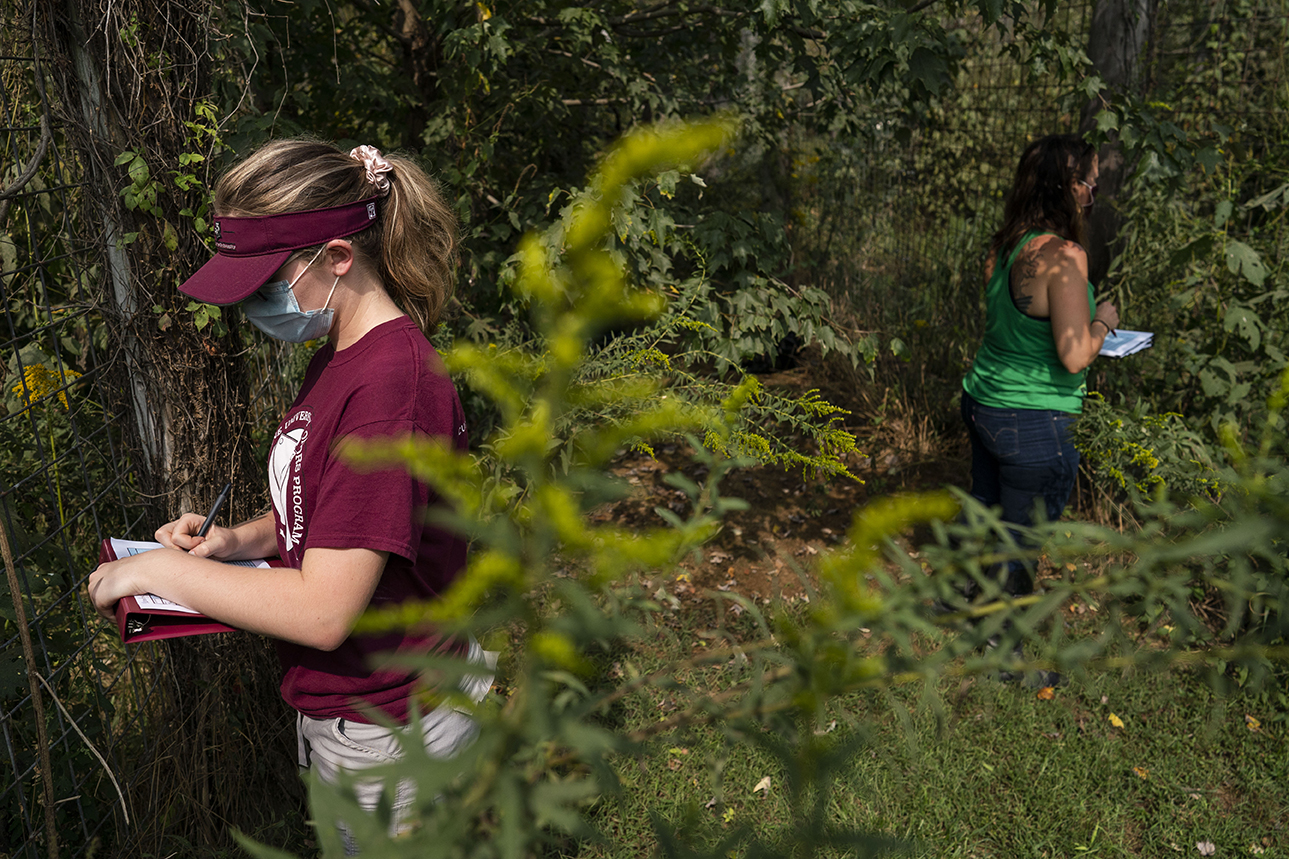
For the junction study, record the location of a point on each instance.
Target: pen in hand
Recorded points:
(214, 509)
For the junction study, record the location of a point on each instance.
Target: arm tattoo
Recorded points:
(1024, 269)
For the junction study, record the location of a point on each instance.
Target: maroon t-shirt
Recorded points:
(388, 384)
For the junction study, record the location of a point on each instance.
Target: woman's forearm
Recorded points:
(255, 539)
(315, 606)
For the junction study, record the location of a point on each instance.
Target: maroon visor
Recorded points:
(251, 249)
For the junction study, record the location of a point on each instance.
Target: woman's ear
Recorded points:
(340, 257)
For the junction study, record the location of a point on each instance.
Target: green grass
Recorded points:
(978, 768)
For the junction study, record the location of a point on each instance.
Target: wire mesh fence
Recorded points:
(65, 484)
(78, 710)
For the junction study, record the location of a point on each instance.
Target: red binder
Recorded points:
(152, 622)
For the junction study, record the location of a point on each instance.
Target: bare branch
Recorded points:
(583, 60)
(46, 137)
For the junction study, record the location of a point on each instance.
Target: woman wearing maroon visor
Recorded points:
(313, 241)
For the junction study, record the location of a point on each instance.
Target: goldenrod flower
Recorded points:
(39, 381)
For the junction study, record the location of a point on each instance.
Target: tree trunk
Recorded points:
(1116, 40)
(131, 74)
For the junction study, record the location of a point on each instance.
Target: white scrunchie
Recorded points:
(376, 166)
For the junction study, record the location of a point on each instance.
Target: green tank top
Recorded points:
(1017, 366)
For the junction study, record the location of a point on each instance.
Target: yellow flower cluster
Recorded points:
(39, 381)
(1143, 456)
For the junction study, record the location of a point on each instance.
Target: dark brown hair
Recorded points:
(413, 242)
(1042, 197)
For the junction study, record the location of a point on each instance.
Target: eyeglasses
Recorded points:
(1091, 186)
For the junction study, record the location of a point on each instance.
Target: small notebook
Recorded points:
(1122, 343)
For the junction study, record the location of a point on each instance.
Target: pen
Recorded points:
(214, 509)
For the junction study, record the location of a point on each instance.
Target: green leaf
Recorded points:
(1212, 384)
(1201, 248)
(928, 68)
(1223, 213)
(1244, 260)
(139, 173)
(667, 183)
(1246, 323)
(1270, 200)
(8, 254)
(990, 10)
(678, 480)
(1209, 158)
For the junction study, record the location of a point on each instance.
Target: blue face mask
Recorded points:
(274, 310)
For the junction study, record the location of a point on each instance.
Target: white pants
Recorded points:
(332, 746)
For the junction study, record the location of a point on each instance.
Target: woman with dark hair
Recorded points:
(1042, 330)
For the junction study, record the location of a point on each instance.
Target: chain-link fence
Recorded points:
(72, 700)
(85, 720)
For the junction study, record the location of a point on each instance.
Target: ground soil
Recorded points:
(765, 552)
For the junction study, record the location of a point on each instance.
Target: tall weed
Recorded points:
(555, 593)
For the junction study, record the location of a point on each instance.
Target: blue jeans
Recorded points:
(1019, 457)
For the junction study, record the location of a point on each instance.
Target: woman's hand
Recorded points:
(253, 539)
(106, 586)
(219, 543)
(124, 578)
(1108, 315)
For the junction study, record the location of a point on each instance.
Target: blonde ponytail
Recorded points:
(412, 245)
(418, 244)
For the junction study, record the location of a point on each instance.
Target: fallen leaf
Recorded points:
(1205, 848)
(1252, 723)
(826, 729)
(1142, 772)
(1047, 693)
(762, 785)
(1116, 721)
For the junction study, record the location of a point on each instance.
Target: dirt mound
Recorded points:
(764, 551)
